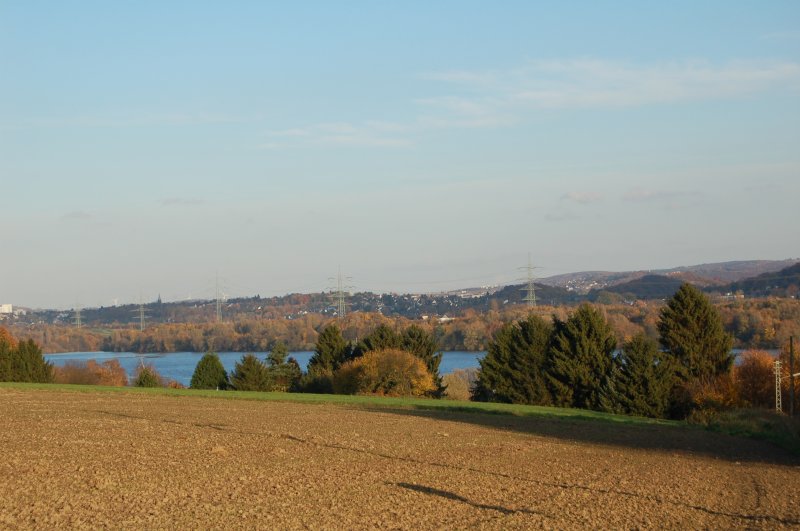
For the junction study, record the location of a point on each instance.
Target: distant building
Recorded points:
(6, 309)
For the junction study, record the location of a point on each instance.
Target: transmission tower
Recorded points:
(530, 288)
(78, 322)
(219, 299)
(141, 312)
(339, 293)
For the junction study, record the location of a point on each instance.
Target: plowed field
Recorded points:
(124, 460)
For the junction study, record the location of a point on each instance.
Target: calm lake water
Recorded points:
(179, 366)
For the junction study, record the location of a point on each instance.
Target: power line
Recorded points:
(339, 296)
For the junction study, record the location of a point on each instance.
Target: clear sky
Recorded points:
(146, 146)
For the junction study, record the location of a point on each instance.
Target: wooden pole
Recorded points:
(791, 376)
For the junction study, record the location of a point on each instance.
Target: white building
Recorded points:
(6, 309)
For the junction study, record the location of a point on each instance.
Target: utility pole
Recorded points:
(339, 295)
(791, 376)
(530, 288)
(778, 406)
(78, 322)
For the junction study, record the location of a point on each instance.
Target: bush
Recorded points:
(209, 373)
(389, 372)
(712, 395)
(755, 379)
(147, 376)
(317, 380)
(110, 372)
(459, 383)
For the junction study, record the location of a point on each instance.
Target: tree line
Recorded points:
(576, 362)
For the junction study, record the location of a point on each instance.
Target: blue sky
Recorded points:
(145, 146)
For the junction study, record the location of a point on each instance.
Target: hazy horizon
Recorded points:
(144, 148)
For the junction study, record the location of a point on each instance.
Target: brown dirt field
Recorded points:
(120, 460)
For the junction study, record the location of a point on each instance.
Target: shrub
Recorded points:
(712, 395)
(317, 380)
(147, 376)
(110, 373)
(755, 379)
(209, 373)
(459, 383)
(389, 372)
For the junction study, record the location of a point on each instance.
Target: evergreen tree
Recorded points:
(642, 380)
(285, 376)
(581, 358)
(513, 369)
(209, 373)
(278, 354)
(423, 345)
(250, 374)
(331, 351)
(382, 338)
(147, 376)
(690, 329)
(28, 364)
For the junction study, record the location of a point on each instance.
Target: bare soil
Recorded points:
(120, 460)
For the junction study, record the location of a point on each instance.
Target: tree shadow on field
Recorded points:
(688, 440)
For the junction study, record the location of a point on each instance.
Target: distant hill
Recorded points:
(785, 282)
(704, 275)
(646, 287)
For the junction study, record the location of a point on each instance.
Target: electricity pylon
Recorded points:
(530, 288)
(78, 321)
(339, 295)
(219, 299)
(141, 312)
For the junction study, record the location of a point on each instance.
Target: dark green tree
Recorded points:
(691, 330)
(285, 377)
(277, 356)
(147, 376)
(423, 345)
(250, 374)
(513, 369)
(331, 351)
(581, 358)
(494, 378)
(641, 382)
(382, 338)
(209, 373)
(28, 364)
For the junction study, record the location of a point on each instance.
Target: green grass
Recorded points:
(780, 430)
(372, 402)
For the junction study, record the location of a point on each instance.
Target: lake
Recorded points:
(179, 366)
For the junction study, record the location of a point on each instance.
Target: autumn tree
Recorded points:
(209, 373)
(390, 372)
(691, 330)
(580, 359)
(755, 378)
